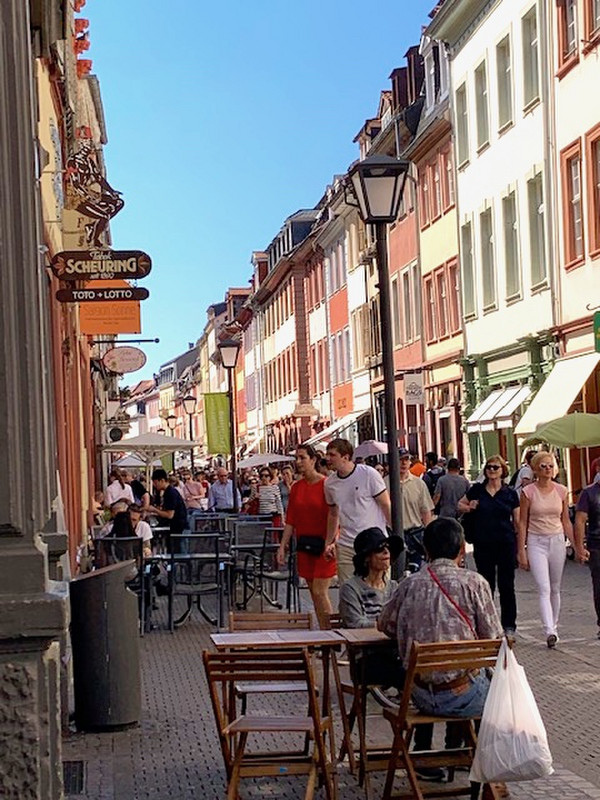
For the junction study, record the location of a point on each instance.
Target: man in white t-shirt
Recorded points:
(357, 500)
(141, 528)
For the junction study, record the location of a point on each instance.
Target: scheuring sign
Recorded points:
(88, 265)
(124, 359)
(100, 295)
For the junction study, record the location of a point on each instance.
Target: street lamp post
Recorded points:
(229, 349)
(189, 405)
(378, 184)
(171, 421)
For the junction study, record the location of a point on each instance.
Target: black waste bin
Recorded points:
(106, 653)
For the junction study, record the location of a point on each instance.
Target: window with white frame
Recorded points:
(347, 354)
(537, 232)
(462, 124)
(511, 245)
(443, 308)
(504, 81)
(488, 263)
(531, 76)
(407, 307)
(481, 106)
(468, 273)
(415, 301)
(396, 311)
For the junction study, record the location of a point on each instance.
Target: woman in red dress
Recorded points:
(306, 520)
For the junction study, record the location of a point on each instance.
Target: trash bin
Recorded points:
(106, 654)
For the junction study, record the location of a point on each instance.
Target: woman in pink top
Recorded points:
(543, 522)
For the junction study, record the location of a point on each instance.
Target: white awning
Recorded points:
(558, 392)
(497, 410)
(331, 431)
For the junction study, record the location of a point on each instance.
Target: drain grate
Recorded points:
(73, 777)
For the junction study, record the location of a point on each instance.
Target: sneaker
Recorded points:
(552, 641)
(433, 774)
(510, 633)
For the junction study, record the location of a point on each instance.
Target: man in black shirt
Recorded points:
(588, 510)
(172, 506)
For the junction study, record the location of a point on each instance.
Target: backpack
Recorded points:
(431, 478)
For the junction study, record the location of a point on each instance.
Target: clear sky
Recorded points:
(223, 119)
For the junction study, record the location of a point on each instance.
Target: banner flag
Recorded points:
(216, 411)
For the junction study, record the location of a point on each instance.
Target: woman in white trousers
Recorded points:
(543, 523)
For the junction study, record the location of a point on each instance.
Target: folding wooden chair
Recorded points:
(223, 671)
(439, 657)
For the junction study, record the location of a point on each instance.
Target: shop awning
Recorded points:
(497, 410)
(558, 392)
(336, 428)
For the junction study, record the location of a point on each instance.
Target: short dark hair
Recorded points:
(443, 538)
(310, 451)
(453, 463)
(160, 475)
(431, 457)
(343, 447)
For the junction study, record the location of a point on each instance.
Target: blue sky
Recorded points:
(223, 119)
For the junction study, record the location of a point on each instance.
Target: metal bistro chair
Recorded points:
(270, 575)
(209, 522)
(111, 550)
(246, 545)
(197, 566)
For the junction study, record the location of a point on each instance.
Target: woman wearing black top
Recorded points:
(493, 517)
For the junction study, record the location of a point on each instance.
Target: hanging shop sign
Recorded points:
(110, 318)
(101, 295)
(89, 265)
(414, 394)
(124, 359)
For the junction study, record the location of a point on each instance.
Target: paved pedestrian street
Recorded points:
(174, 754)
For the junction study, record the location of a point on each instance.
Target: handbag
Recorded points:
(512, 744)
(313, 545)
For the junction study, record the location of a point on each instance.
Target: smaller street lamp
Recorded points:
(189, 406)
(171, 421)
(229, 349)
(378, 185)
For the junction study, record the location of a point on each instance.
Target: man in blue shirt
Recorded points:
(588, 511)
(220, 494)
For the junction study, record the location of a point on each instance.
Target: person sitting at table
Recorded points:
(141, 528)
(364, 595)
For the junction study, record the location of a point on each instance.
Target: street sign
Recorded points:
(124, 359)
(100, 295)
(597, 331)
(89, 265)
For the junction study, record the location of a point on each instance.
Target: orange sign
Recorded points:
(121, 316)
(342, 400)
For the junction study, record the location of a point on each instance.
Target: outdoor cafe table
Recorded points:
(323, 640)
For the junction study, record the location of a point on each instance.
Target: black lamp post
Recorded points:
(229, 349)
(189, 406)
(378, 184)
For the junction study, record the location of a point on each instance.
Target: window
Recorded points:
(415, 296)
(511, 245)
(436, 195)
(424, 195)
(453, 296)
(447, 179)
(531, 77)
(592, 21)
(347, 354)
(593, 187)
(504, 78)
(462, 125)
(537, 233)
(572, 205)
(488, 266)
(407, 298)
(430, 331)
(443, 317)
(567, 34)
(468, 275)
(481, 106)
(396, 312)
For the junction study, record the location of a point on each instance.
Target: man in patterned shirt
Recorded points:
(421, 610)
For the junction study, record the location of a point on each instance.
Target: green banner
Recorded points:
(216, 413)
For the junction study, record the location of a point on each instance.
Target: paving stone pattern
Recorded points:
(174, 754)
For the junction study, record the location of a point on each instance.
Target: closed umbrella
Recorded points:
(370, 448)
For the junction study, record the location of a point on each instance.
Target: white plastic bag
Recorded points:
(512, 744)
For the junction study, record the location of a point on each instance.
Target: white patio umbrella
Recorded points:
(133, 462)
(263, 460)
(149, 447)
(371, 448)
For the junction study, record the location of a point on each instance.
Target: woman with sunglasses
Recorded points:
(269, 496)
(542, 528)
(491, 510)
(306, 521)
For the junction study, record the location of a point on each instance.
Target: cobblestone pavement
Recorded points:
(174, 754)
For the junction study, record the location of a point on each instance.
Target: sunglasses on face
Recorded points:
(493, 466)
(546, 466)
(382, 548)
(264, 475)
